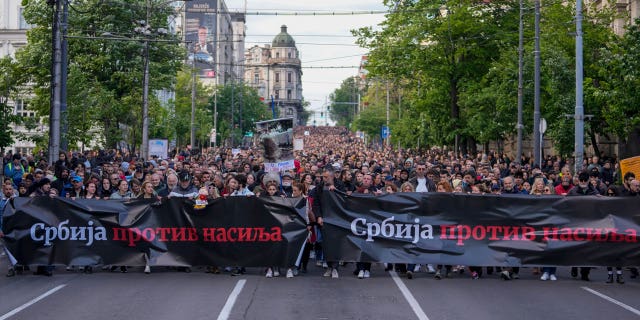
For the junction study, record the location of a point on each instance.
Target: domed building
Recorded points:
(275, 71)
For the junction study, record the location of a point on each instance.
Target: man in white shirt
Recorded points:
(420, 182)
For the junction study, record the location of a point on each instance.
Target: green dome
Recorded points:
(283, 39)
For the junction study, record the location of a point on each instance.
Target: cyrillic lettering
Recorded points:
(221, 236)
(632, 235)
(63, 230)
(276, 234)
(263, 235)
(231, 234)
(528, 233)
(447, 228)
(464, 233)
(565, 234)
(193, 234)
(178, 234)
(354, 226)
(162, 233)
(33, 230)
(387, 228)
(479, 232)
(244, 235)
(148, 234)
(208, 234)
(119, 234)
(493, 232)
(373, 230)
(510, 232)
(134, 236)
(426, 233)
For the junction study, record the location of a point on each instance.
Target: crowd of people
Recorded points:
(332, 159)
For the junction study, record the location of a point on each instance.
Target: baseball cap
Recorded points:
(76, 179)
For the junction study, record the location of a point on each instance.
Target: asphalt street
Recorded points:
(168, 294)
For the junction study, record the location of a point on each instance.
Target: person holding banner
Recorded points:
(328, 183)
(7, 195)
(584, 188)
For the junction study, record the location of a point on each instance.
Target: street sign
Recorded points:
(543, 125)
(385, 132)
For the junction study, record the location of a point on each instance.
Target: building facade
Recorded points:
(13, 36)
(275, 71)
(215, 40)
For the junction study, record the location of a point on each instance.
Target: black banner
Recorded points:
(236, 231)
(482, 230)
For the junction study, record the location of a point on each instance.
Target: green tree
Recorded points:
(181, 119)
(441, 47)
(246, 105)
(7, 89)
(617, 91)
(343, 102)
(105, 74)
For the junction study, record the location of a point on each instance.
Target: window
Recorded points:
(22, 109)
(277, 54)
(289, 76)
(289, 111)
(288, 94)
(277, 94)
(289, 54)
(23, 22)
(256, 78)
(277, 77)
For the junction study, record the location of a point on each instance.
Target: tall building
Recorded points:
(13, 36)
(275, 71)
(215, 40)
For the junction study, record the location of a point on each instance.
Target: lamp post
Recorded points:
(145, 30)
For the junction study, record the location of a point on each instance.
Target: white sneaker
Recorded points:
(334, 273)
(276, 272)
(367, 274)
(416, 268)
(319, 263)
(327, 273)
(545, 276)
(324, 264)
(553, 277)
(361, 274)
(431, 269)
(147, 269)
(289, 273)
(269, 273)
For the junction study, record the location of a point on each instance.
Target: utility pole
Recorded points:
(144, 149)
(520, 126)
(193, 101)
(536, 85)
(388, 139)
(54, 110)
(579, 117)
(215, 116)
(64, 143)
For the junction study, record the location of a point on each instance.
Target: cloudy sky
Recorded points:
(310, 32)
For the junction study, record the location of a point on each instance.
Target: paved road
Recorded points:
(168, 294)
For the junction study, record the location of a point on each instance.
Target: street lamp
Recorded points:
(145, 30)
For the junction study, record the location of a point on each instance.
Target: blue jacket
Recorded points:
(3, 204)
(14, 172)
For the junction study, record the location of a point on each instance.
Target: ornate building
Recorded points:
(275, 71)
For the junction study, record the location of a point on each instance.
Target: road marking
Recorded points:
(226, 310)
(407, 295)
(612, 300)
(30, 303)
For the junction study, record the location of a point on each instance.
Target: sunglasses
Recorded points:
(547, 190)
(610, 194)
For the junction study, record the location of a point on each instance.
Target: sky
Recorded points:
(308, 31)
